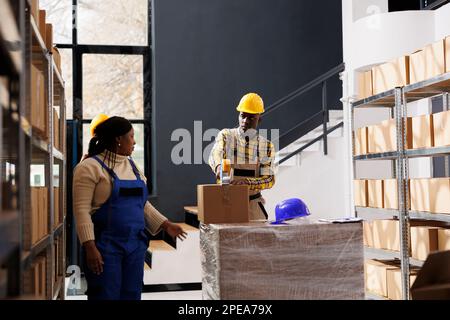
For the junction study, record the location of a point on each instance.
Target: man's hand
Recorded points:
(94, 258)
(174, 230)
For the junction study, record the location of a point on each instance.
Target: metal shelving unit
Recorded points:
(398, 99)
(19, 48)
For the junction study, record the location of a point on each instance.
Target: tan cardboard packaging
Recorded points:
(223, 203)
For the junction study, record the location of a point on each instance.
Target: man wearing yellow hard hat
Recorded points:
(251, 155)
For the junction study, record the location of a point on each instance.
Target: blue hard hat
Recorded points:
(290, 209)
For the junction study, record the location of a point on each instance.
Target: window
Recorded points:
(59, 13)
(113, 84)
(122, 23)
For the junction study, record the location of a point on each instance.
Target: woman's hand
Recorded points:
(94, 258)
(174, 230)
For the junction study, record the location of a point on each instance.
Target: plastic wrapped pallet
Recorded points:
(301, 260)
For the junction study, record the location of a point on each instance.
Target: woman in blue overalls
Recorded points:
(114, 261)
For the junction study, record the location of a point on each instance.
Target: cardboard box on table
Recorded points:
(223, 203)
(301, 260)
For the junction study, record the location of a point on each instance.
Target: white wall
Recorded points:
(319, 181)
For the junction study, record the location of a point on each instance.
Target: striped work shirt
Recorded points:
(246, 149)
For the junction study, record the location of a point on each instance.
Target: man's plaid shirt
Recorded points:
(231, 143)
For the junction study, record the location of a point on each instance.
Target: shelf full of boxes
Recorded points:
(405, 219)
(39, 167)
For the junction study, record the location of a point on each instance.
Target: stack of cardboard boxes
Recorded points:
(426, 237)
(383, 278)
(39, 110)
(426, 195)
(39, 213)
(426, 63)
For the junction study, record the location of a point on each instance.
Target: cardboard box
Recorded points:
(430, 195)
(375, 275)
(361, 193)
(423, 132)
(391, 75)
(375, 189)
(417, 62)
(443, 239)
(439, 195)
(423, 241)
(57, 59)
(49, 36)
(433, 280)
(361, 142)
(441, 126)
(420, 195)
(383, 137)
(39, 111)
(365, 87)
(42, 23)
(35, 9)
(386, 234)
(35, 212)
(435, 59)
(390, 194)
(394, 282)
(368, 234)
(428, 62)
(223, 203)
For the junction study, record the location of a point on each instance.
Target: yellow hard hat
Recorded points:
(251, 103)
(101, 117)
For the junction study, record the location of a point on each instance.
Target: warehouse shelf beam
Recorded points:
(411, 153)
(416, 91)
(36, 249)
(378, 213)
(380, 254)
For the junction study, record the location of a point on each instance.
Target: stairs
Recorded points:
(335, 117)
(166, 264)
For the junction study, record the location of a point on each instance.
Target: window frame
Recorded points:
(75, 126)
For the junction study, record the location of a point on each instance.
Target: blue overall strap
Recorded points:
(110, 171)
(135, 170)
